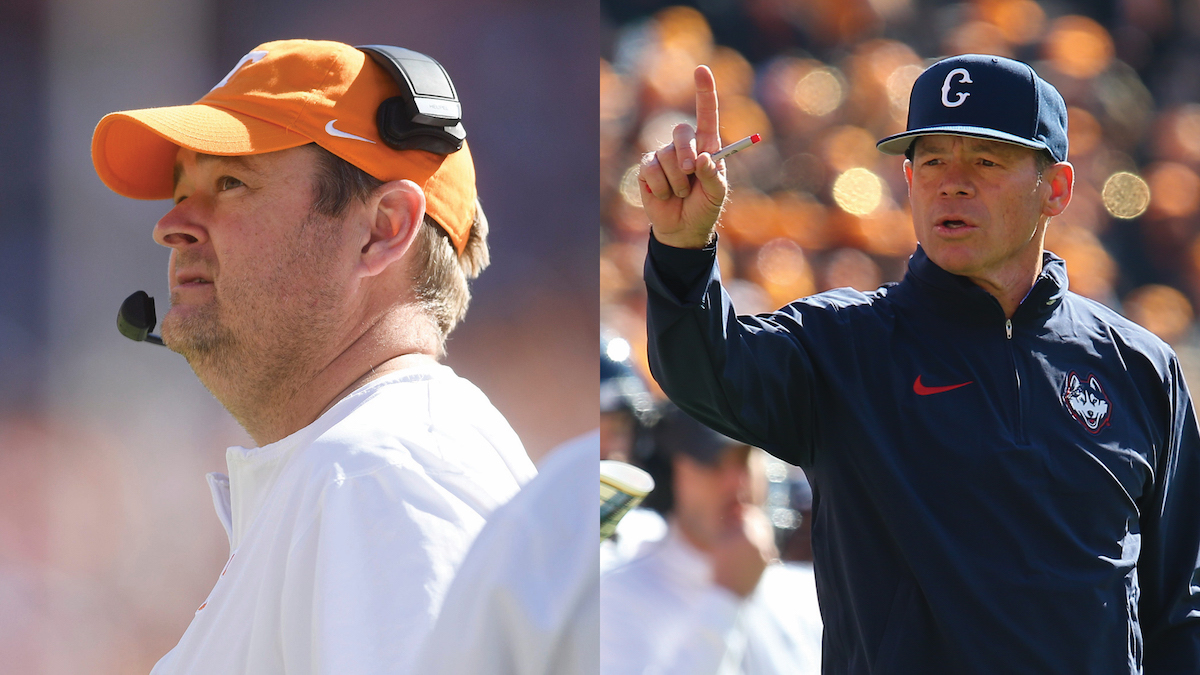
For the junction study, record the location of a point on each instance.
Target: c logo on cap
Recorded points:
(962, 95)
(253, 57)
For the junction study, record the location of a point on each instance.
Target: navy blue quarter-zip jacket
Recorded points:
(990, 495)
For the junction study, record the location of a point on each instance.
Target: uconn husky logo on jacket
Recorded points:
(1086, 401)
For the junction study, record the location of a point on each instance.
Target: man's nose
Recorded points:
(956, 181)
(182, 225)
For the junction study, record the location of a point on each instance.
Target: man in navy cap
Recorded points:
(1005, 474)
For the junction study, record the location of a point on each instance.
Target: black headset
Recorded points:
(427, 115)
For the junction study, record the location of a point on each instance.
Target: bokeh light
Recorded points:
(684, 29)
(1126, 103)
(733, 73)
(1083, 131)
(819, 92)
(1174, 189)
(617, 349)
(1163, 310)
(884, 57)
(783, 271)
(847, 147)
(888, 232)
(858, 191)
(631, 189)
(978, 37)
(888, 9)
(1125, 195)
(804, 220)
(752, 218)
(1019, 21)
(1079, 47)
(681, 40)
(851, 268)
(899, 87)
(740, 117)
(658, 130)
(615, 98)
(1186, 131)
(1092, 269)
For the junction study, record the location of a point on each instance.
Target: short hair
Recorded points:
(1042, 159)
(441, 284)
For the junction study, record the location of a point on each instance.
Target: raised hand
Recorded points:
(683, 190)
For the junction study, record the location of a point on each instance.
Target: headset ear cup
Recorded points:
(400, 133)
(390, 119)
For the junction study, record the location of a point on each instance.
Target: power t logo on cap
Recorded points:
(252, 57)
(985, 97)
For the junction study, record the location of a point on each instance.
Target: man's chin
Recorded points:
(192, 332)
(954, 259)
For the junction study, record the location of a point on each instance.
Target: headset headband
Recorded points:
(428, 116)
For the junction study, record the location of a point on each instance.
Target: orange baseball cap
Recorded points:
(282, 95)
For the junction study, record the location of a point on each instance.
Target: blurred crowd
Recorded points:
(816, 206)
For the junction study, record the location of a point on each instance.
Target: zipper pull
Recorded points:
(1008, 328)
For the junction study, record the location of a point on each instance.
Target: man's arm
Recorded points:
(1168, 570)
(748, 377)
(737, 377)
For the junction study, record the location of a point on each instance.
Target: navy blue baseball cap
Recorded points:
(985, 97)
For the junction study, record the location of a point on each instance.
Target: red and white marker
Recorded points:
(736, 147)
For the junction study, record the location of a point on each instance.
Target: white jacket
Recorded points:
(345, 535)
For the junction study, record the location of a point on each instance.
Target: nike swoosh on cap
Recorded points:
(923, 390)
(342, 134)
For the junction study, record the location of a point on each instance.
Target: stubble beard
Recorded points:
(254, 345)
(201, 338)
(205, 339)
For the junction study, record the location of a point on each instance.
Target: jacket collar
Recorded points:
(958, 296)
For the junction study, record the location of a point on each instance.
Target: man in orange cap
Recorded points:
(324, 230)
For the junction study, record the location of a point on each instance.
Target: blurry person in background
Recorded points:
(320, 255)
(626, 407)
(707, 598)
(627, 415)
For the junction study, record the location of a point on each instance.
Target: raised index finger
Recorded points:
(708, 123)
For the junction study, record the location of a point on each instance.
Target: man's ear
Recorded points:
(398, 211)
(1061, 177)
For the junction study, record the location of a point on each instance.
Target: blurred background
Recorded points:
(108, 540)
(816, 206)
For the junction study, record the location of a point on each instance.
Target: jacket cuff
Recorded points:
(682, 272)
